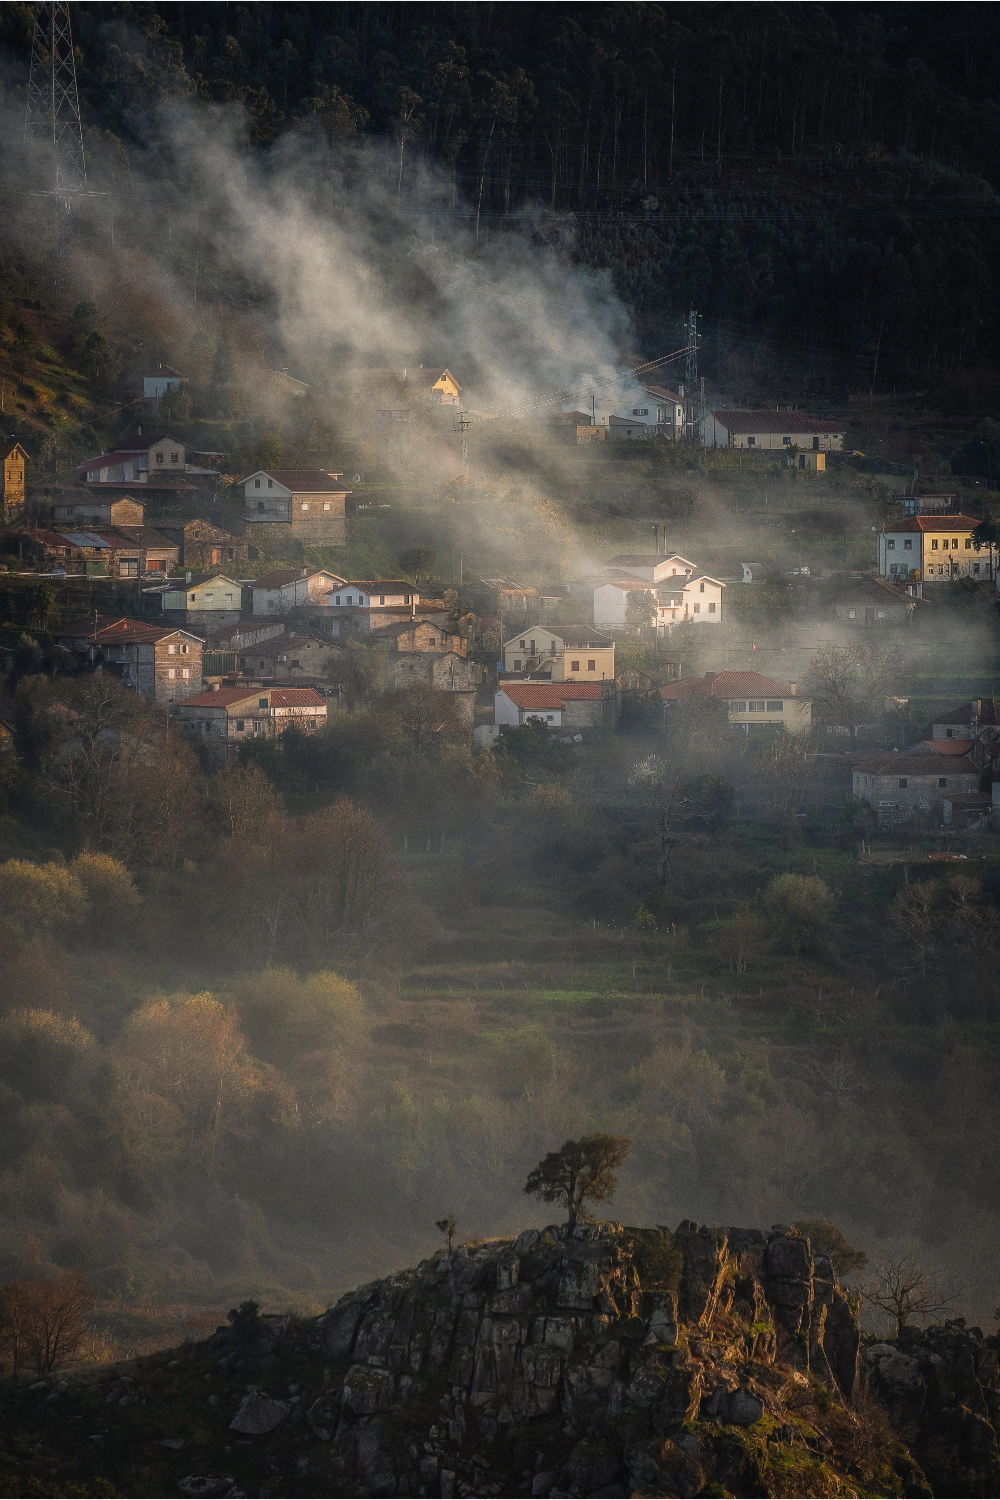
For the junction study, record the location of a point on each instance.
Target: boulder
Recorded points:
(661, 1465)
(322, 1417)
(340, 1325)
(259, 1413)
(590, 1465)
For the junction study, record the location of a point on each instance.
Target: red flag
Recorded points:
(753, 645)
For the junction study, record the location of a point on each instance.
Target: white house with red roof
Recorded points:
(751, 699)
(226, 717)
(578, 705)
(679, 592)
(772, 429)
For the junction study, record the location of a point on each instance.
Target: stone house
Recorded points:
(161, 663)
(226, 717)
(441, 669)
(576, 705)
(911, 788)
(750, 698)
(150, 549)
(419, 635)
(201, 546)
(304, 504)
(287, 655)
(978, 719)
(159, 463)
(569, 654)
(873, 602)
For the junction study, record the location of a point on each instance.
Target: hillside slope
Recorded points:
(616, 1361)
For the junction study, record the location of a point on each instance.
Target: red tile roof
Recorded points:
(224, 698)
(933, 523)
(950, 747)
(119, 632)
(727, 685)
(915, 765)
(545, 695)
(789, 422)
(297, 698)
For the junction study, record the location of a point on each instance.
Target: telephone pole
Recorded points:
(52, 119)
(464, 423)
(691, 361)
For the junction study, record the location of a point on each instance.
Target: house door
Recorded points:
(216, 554)
(870, 615)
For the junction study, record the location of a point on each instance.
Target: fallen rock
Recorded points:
(258, 1414)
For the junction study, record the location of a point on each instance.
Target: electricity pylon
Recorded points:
(52, 119)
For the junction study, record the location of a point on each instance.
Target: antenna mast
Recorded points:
(52, 117)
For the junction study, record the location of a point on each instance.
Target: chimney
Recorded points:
(794, 687)
(216, 686)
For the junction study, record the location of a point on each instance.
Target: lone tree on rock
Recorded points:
(448, 1225)
(579, 1170)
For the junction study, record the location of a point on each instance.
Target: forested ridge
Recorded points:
(819, 182)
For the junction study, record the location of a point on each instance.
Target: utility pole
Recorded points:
(464, 423)
(52, 119)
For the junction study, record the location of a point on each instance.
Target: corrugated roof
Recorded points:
(789, 422)
(727, 685)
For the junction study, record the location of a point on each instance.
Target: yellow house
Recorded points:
(14, 468)
(750, 697)
(568, 655)
(444, 389)
(940, 547)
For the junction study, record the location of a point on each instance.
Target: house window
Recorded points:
(326, 505)
(406, 598)
(171, 650)
(159, 458)
(934, 545)
(890, 545)
(738, 708)
(261, 505)
(381, 598)
(521, 644)
(880, 614)
(954, 544)
(433, 640)
(902, 783)
(185, 672)
(173, 458)
(350, 599)
(815, 442)
(756, 705)
(184, 650)
(574, 666)
(786, 440)
(975, 567)
(775, 706)
(240, 723)
(256, 484)
(592, 666)
(697, 609)
(517, 666)
(270, 484)
(711, 609)
(171, 673)
(229, 554)
(968, 544)
(942, 781)
(305, 505)
(261, 702)
(702, 587)
(337, 600)
(908, 546)
(944, 545)
(295, 663)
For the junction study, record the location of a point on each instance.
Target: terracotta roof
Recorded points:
(224, 698)
(789, 422)
(297, 698)
(119, 632)
(311, 481)
(949, 747)
(661, 390)
(989, 713)
(727, 685)
(546, 695)
(933, 523)
(915, 765)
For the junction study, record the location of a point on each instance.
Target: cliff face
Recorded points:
(612, 1361)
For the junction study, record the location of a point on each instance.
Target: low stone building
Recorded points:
(872, 602)
(441, 669)
(910, 789)
(287, 655)
(100, 510)
(419, 635)
(226, 717)
(160, 663)
(202, 546)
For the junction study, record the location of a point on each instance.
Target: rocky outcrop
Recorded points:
(547, 1365)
